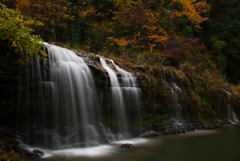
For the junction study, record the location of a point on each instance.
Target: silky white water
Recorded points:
(117, 96)
(60, 107)
(232, 117)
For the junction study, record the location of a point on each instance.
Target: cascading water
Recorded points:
(61, 110)
(126, 96)
(176, 95)
(59, 106)
(231, 113)
(117, 96)
(132, 94)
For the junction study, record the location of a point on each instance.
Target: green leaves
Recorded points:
(15, 32)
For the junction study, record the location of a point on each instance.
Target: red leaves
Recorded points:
(184, 49)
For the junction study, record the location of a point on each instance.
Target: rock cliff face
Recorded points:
(168, 94)
(169, 97)
(9, 83)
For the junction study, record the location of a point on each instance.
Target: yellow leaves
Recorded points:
(14, 30)
(138, 34)
(152, 28)
(110, 38)
(122, 41)
(193, 11)
(14, 44)
(90, 11)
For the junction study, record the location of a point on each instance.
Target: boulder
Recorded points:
(128, 146)
(38, 152)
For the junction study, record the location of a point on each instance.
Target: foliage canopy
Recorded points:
(178, 30)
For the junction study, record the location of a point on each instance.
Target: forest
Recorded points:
(204, 34)
(81, 75)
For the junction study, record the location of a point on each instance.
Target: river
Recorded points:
(204, 145)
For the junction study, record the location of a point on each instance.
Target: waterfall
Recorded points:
(60, 108)
(117, 97)
(230, 109)
(132, 94)
(177, 95)
(126, 95)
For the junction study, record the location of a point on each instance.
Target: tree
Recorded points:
(50, 12)
(138, 26)
(184, 49)
(80, 17)
(193, 10)
(221, 35)
(15, 35)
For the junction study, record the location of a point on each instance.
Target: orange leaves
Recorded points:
(122, 41)
(137, 26)
(193, 11)
(88, 12)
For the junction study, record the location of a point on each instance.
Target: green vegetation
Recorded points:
(16, 36)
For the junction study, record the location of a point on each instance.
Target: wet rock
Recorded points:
(38, 152)
(184, 130)
(208, 126)
(198, 126)
(190, 127)
(149, 134)
(33, 156)
(128, 146)
(23, 150)
(226, 121)
(171, 129)
(217, 123)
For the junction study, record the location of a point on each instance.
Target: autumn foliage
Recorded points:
(139, 28)
(15, 36)
(142, 25)
(186, 49)
(50, 12)
(193, 10)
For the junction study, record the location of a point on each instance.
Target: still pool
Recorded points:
(204, 145)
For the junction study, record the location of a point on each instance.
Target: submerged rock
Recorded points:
(27, 153)
(38, 152)
(128, 146)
